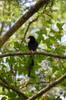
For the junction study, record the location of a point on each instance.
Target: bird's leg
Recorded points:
(31, 51)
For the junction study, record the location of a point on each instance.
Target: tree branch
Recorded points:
(28, 28)
(2, 26)
(22, 20)
(51, 85)
(33, 53)
(7, 85)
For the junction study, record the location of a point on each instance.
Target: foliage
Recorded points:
(48, 30)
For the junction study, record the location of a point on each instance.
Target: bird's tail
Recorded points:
(30, 65)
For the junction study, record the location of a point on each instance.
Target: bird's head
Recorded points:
(31, 38)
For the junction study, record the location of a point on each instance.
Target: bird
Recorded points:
(32, 46)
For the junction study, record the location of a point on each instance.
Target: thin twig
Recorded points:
(28, 28)
(2, 26)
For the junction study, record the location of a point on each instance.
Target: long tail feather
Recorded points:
(31, 64)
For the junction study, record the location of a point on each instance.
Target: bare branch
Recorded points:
(33, 53)
(22, 20)
(48, 87)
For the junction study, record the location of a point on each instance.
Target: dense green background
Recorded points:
(49, 28)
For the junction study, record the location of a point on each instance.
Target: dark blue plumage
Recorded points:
(32, 45)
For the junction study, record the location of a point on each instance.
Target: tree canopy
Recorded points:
(46, 21)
